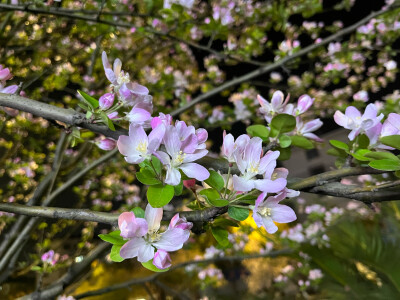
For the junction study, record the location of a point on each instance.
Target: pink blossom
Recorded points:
(361, 96)
(181, 154)
(107, 144)
(230, 146)
(277, 106)
(357, 123)
(251, 164)
(113, 115)
(303, 104)
(106, 101)
(306, 129)
(268, 211)
(162, 260)
(145, 237)
(138, 146)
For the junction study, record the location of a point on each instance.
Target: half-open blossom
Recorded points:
(5, 73)
(357, 123)
(50, 257)
(180, 222)
(106, 144)
(303, 104)
(307, 129)
(161, 259)
(230, 146)
(177, 158)
(139, 116)
(145, 237)
(106, 101)
(265, 213)
(251, 164)
(138, 146)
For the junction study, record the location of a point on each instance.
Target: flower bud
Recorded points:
(162, 260)
(113, 115)
(107, 144)
(106, 101)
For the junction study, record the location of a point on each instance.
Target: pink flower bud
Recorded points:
(190, 183)
(113, 115)
(107, 144)
(162, 260)
(106, 101)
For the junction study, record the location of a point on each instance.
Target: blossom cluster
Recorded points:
(280, 105)
(369, 124)
(144, 236)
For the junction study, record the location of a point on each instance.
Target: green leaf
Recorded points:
(340, 145)
(215, 180)
(284, 141)
(213, 198)
(285, 153)
(221, 236)
(337, 152)
(391, 140)
(110, 124)
(113, 237)
(258, 130)
(178, 189)
(362, 141)
(224, 223)
(36, 268)
(156, 164)
(147, 177)
(237, 213)
(301, 142)
(114, 254)
(160, 195)
(139, 212)
(150, 266)
(282, 123)
(360, 155)
(92, 102)
(88, 114)
(385, 164)
(381, 155)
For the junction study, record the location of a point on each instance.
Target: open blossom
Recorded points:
(130, 92)
(303, 104)
(192, 139)
(180, 156)
(145, 237)
(230, 146)
(268, 211)
(278, 105)
(50, 257)
(251, 164)
(138, 146)
(357, 123)
(361, 96)
(307, 129)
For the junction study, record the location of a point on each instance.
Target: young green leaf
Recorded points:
(215, 180)
(237, 213)
(221, 236)
(282, 123)
(258, 130)
(301, 142)
(160, 195)
(113, 237)
(284, 141)
(92, 102)
(391, 140)
(147, 177)
(385, 164)
(340, 145)
(139, 212)
(114, 254)
(150, 266)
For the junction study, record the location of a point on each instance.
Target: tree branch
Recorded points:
(135, 281)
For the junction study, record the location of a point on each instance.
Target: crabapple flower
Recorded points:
(107, 144)
(145, 237)
(278, 105)
(130, 92)
(185, 3)
(5, 74)
(161, 259)
(180, 222)
(106, 101)
(361, 96)
(50, 257)
(283, 173)
(268, 211)
(306, 129)
(113, 115)
(139, 116)
(230, 146)
(303, 104)
(391, 126)
(191, 138)
(165, 119)
(357, 123)
(138, 146)
(251, 164)
(180, 155)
